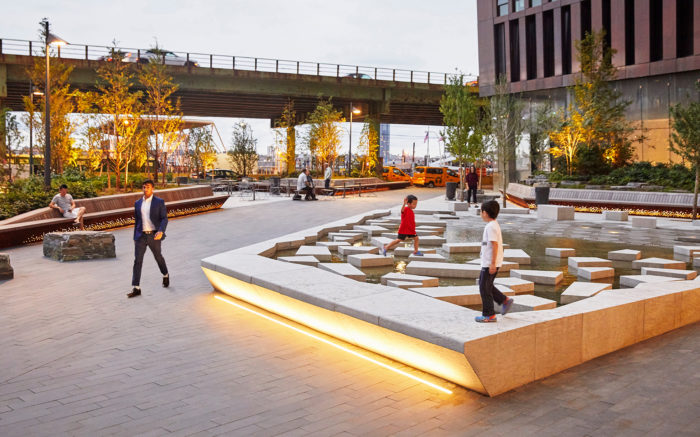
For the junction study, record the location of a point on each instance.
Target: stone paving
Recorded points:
(78, 358)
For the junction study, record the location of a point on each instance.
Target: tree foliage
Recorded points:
(368, 148)
(10, 139)
(569, 137)
(285, 135)
(686, 138)
(544, 121)
(323, 135)
(200, 149)
(243, 154)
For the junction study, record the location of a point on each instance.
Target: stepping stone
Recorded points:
(432, 211)
(528, 302)
(380, 241)
(462, 247)
(430, 222)
(516, 255)
(426, 233)
(345, 236)
(459, 206)
(352, 232)
(344, 269)
(519, 286)
(582, 290)
(403, 284)
(634, 280)
(615, 215)
(432, 240)
(546, 277)
(332, 245)
(370, 260)
(321, 253)
(659, 263)
(555, 212)
(588, 261)
(592, 273)
(428, 257)
(459, 295)
(445, 216)
(436, 229)
(506, 267)
(643, 222)
(425, 281)
(624, 255)
(407, 251)
(443, 270)
(306, 260)
(352, 250)
(672, 273)
(560, 252)
(341, 239)
(380, 222)
(687, 251)
(6, 270)
(696, 262)
(514, 211)
(370, 229)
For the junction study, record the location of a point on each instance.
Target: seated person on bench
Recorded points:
(305, 185)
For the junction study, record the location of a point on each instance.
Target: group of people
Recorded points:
(305, 183)
(491, 254)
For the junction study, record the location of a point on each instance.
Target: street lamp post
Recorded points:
(353, 110)
(48, 40)
(33, 91)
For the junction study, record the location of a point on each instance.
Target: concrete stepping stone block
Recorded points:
(344, 269)
(620, 216)
(370, 230)
(321, 253)
(560, 252)
(405, 285)
(593, 273)
(672, 273)
(634, 280)
(437, 229)
(425, 281)
(643, 222)
(305, 260)
(686, 251)
(432, 240)
(380, 241)
(659, 263)
(370, 260)
(588, 261)
(459, 206)
(506, 267)
(582, 290)
(352, 250)
(446, 216)
(79, 245)
(426, 233)
(407, 251)
(545, 277)
(380, 222)
(461, 247)
(696, 261)
(443, 270)
(514, 211)
(6, 270)
(519, 286)
(458, 295)
(624, 255)
(344, 236)
(332, 245)
(516, 255)
(432, 211)
(428, 257)
(555, 212)
(529, 302)
(430, 222)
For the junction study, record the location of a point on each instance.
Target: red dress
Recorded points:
(408, 222)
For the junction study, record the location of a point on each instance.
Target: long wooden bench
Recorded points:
(105, 212)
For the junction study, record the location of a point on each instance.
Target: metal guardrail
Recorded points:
(243, 63)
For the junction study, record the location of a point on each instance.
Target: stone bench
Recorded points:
(560, 252)
(620, 216)
(643, 222)
(79, 245)
(6, 270)
(624, 255)
(555, 212)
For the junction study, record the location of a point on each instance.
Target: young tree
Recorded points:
(568, 138)
(200, 147)
(243, 154)
(543, 121)
(460, 115)
(285, 133)
(507, 129)
(686, 139)
(10, 133)
(368, 150)
(323, 136)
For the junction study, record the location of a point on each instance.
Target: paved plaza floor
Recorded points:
(79, 358)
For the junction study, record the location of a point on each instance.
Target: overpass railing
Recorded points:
(243, 63)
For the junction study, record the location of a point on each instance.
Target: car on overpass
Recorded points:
(359, 76)
(151, 55)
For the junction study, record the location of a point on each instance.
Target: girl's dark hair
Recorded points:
(411, 198)
(491, 208)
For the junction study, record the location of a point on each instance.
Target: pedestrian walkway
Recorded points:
(78, 358)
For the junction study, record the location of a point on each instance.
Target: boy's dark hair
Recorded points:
(411, 198)
(491, 208)
(63, 186)
(148, 181)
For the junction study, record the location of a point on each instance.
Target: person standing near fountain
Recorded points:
(491, 261)
(472, 184)
(407, 229)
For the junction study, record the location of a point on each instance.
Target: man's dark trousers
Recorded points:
(147, 240)
(489, 293)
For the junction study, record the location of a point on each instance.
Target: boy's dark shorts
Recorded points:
(404, 236)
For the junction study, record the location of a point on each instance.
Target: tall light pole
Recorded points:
(353, 110)
(33, 91)
(48, 40)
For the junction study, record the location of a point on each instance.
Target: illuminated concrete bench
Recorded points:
(441, 338)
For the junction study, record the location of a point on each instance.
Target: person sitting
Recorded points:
(305, 185)
(65, 204)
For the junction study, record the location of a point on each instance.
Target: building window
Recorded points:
(531, 46)
(629, 32)
(585, 18)
(607, 23)
(548, 42)
(656, 39)
(502, 7)
(499, 38)
(518, 5)
(514, 51)
(534, 3)
(684, 28)
(566, 40)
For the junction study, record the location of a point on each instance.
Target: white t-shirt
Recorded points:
(492, 232)
(328, 173)
(301, 182)
(147, 224)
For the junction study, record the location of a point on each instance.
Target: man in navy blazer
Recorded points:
(151, 220)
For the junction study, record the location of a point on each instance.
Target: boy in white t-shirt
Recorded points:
(491, 261)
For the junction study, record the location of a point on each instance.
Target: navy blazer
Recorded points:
(159, 216)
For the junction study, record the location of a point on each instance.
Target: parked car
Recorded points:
(218, 173)
(393, 174)
(433, 176)
(359, 76)
(148, 55)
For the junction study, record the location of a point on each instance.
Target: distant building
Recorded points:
(384, 142)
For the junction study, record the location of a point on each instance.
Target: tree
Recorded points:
(286, 139)
(243, 154)
(368, 149)
(567, 139)
(544, 121)
(10, 132)
(200, 148)
(686, 139)
(507, 129)
(165, 117)
(323, 135)
(460, 115)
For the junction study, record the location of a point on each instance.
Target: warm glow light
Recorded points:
(56, 40)
(337, 346)
(356, 111)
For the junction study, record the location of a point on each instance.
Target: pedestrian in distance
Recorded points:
(327, 174)
(149, 231)
(305, 185)
(65, 204)
(472, 184)
(407, 229)
(491, 261)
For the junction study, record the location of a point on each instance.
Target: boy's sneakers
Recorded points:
(506, 306)
(419, 253)
(485, 319)
(383, 250)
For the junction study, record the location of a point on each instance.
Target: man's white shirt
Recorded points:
(148, 225)
(301, 182)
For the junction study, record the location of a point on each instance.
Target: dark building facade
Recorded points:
(657, 44)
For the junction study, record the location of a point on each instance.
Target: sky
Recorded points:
(438, 36)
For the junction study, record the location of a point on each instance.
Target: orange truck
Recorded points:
(433, 176)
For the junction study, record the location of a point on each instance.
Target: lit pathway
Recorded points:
(78, 358)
